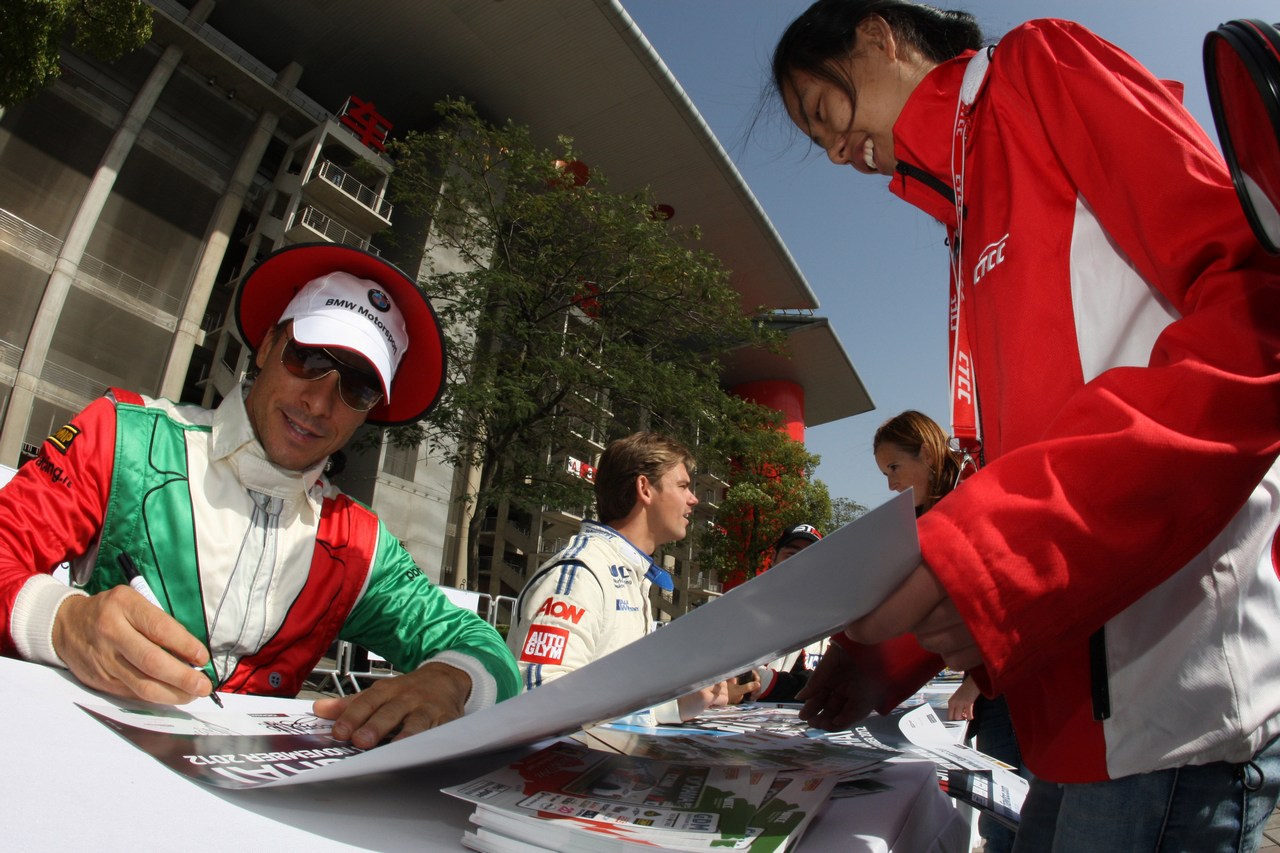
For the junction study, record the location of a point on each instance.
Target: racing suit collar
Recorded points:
(233, 440)
(655, 574)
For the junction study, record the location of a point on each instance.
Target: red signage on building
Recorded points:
(363, 119)
(578, 468)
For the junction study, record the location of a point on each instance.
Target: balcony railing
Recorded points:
(73, 381)
(331, 229)
(42, 248)
(703, 580)
(121, 282)
(330, 172)
(10, 354)
(27, 240)
(490, 525)
(553, 546)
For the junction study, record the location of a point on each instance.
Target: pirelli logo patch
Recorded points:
(544, 644)
(63, 437)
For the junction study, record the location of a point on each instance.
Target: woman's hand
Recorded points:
(960, 705)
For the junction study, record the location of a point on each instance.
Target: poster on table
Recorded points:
(808, 597)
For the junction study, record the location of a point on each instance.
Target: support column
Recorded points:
(786, 398)
(217, 238)
(68, 261)
(780, 395)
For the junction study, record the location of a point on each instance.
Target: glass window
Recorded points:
(97, 345)
(46, 417)
(198, 117)
(151, 229)
(21, 288)
(400, 462)
(48, 151)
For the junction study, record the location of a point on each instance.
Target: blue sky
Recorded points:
(877, 265)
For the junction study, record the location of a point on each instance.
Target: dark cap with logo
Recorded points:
(806, 532)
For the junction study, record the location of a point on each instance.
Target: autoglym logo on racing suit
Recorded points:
(544, 644)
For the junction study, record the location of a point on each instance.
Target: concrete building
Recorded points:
(133, 195)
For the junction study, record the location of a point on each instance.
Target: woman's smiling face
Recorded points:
(850, 113)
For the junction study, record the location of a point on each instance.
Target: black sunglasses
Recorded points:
(359, 389)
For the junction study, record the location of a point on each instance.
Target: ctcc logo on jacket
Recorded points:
(992, 256)
(561, 610)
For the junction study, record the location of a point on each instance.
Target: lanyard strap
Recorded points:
(966, 423)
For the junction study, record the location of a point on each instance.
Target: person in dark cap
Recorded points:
(794, 540)
(781, 679)
(209, 551)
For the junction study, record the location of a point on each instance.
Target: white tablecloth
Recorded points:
(70, 783)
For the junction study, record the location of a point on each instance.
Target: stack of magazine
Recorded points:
(569, 798)
(746, 778)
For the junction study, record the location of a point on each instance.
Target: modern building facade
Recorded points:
(134, 194)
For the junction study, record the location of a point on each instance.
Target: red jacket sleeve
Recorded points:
(52, 509)
(898, 667)
(1142, 466)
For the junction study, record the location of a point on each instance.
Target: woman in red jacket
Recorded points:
(1111, 569)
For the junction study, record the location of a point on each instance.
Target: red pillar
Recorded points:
(781, 395)
(786, 398)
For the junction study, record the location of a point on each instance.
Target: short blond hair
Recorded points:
(625, 460)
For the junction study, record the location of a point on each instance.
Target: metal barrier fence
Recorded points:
(351, 662)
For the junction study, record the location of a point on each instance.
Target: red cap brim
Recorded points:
(277, 278)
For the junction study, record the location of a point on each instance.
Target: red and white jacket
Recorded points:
(1125, 331)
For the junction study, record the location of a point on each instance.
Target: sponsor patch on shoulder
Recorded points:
(561, 610)
(63, 437)
(544, 644)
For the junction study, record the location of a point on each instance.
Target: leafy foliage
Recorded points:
(33, 30)
(843, 511)
(571, 310)
(772, 488)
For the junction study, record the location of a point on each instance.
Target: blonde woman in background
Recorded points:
(913, 452)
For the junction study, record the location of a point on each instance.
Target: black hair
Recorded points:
(827, 30)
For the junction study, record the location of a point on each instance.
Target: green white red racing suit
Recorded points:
(267, 567)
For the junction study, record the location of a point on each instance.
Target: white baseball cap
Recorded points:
(340, 310)
(342, 296)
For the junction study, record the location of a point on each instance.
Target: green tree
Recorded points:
(843, 511)
(570, 310)
(33, 32)
(772, 487)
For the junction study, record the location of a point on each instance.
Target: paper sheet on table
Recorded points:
(807, 597)
(803, 599)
